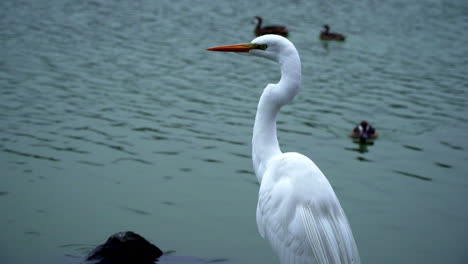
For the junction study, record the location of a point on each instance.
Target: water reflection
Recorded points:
(324, 44)
(362, 145)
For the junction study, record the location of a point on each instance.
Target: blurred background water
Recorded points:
(114, 117)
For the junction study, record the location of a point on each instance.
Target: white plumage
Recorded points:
(297, 211)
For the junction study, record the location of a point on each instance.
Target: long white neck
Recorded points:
(265, 142)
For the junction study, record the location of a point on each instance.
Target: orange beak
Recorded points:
(234, 48)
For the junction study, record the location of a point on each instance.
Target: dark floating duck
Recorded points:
(364, 132)
(327, 35)
(271, 29)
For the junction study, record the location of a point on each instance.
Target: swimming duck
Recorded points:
(327, 35)
(271, 29)
(364, 132)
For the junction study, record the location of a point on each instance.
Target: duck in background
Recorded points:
(327, 35)
(271, 29)
(364, 132)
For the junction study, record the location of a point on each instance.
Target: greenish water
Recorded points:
(114, 117)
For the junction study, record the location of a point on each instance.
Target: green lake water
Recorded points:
(114, 117)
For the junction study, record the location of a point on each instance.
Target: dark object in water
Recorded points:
(327, 35)
(364, 132)
(124, 248)
(271, 29)
(131, 248)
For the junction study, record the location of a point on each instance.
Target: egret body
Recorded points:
(297, 211)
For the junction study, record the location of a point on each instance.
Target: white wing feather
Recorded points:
(300, 215)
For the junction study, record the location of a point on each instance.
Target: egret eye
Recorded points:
(262, 46)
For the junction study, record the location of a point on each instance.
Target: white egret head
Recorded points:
(272, 47)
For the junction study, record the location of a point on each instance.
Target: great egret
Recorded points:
(271, 29)
(327, 35)
(297, 210)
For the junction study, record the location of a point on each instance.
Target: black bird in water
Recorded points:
(363, 132)
(271, 29)
(131, 248)
(327, 35)
(123, 248)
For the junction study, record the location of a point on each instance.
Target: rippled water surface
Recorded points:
(114, 117)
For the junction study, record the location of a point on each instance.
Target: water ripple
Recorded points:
(119, 160)
(30, 155)
(424, 178)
